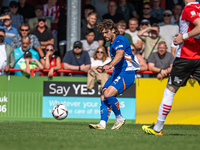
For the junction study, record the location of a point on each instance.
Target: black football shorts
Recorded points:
(182, 69)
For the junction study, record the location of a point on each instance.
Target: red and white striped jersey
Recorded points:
(52, 13)
(190, 49)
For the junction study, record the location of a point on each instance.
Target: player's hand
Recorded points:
(107, 67)
(178, 39)
(100, 69)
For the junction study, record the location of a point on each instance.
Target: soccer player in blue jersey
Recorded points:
(122, 77)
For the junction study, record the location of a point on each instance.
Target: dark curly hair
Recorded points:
(107, 24)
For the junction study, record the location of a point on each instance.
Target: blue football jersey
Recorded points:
(128, 62)
(18, 53)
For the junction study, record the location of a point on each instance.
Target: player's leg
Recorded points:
(178, 77)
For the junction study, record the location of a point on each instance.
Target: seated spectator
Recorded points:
(99, 59)
(24, 30)
(17, 19)
(52, 62)
(112, 13)
(92, 17)
(157, 11)
(171, 3)
(26, 10)
(29, 64)
(87, 9)
(127, 9)
(77, 59)
(167, 29)
(7, 59)
(101, 7)
(89, 44)
(147, 14)
(44, 35)
(161, 62)
(151, 41)
(33, 22)
(19, 53)
(10, 31)
(121, 26)
(132, 31)
(177, 10)
(139, 59)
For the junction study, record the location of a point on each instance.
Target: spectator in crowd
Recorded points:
(157, 11)
(127, 9)
(161, 62)
(167, 29)
(121, 26)
(7, 59)
(100, 58)
(62, 31)
(33, 22)
(139, 59)
(26, 10)
(24, 30)
(144, 24)
(10, 31)
(147, 14)
(29, 64)
(92, 17)
(17, 19)
(112, 13)
(101, 7)
(44, 35)
(151, 41)
(86, 10)
(171, 3)
(19, 53)
(89, 44)
(52, 62)
(77, 59)
(177, 9)
(5, 5)
(132, 31)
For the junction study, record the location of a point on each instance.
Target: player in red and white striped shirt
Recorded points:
(187, 62)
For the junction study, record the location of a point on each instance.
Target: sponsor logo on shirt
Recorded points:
(193, 13)
(177, 80)
(118, 47)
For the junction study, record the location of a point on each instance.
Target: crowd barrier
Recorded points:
(31, 99)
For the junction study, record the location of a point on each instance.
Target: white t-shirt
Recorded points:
(3, 57)
(90, 48)
(95, 63)
(133, 35)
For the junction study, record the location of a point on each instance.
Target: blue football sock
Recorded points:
(113, 103)
(105, 111)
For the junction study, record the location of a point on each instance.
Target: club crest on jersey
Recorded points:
(193, 13)
(176, 79)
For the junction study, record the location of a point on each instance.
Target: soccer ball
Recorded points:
(60, 111)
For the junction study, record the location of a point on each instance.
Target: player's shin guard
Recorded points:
(164, 109)
(113, 103)
(105, 111)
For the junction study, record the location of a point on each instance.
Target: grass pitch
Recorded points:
(78, 136)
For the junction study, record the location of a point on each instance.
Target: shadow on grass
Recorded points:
(176, 134)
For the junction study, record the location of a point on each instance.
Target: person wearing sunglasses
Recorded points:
(100, 58)
(168, 29)
(146, 14)
(44, 35)
(77, 59)
(52, 62)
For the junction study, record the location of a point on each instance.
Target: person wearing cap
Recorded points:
(26, 10)
(167, 29)
(33, 21)
(19, 52)
(9, 29)
(17, 19)
(44, 35)
(29, 63)
(146, 14)
(77, 59)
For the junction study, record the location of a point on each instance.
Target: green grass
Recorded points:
(78, 136)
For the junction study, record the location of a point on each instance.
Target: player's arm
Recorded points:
(119, 55)
(195, 31)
